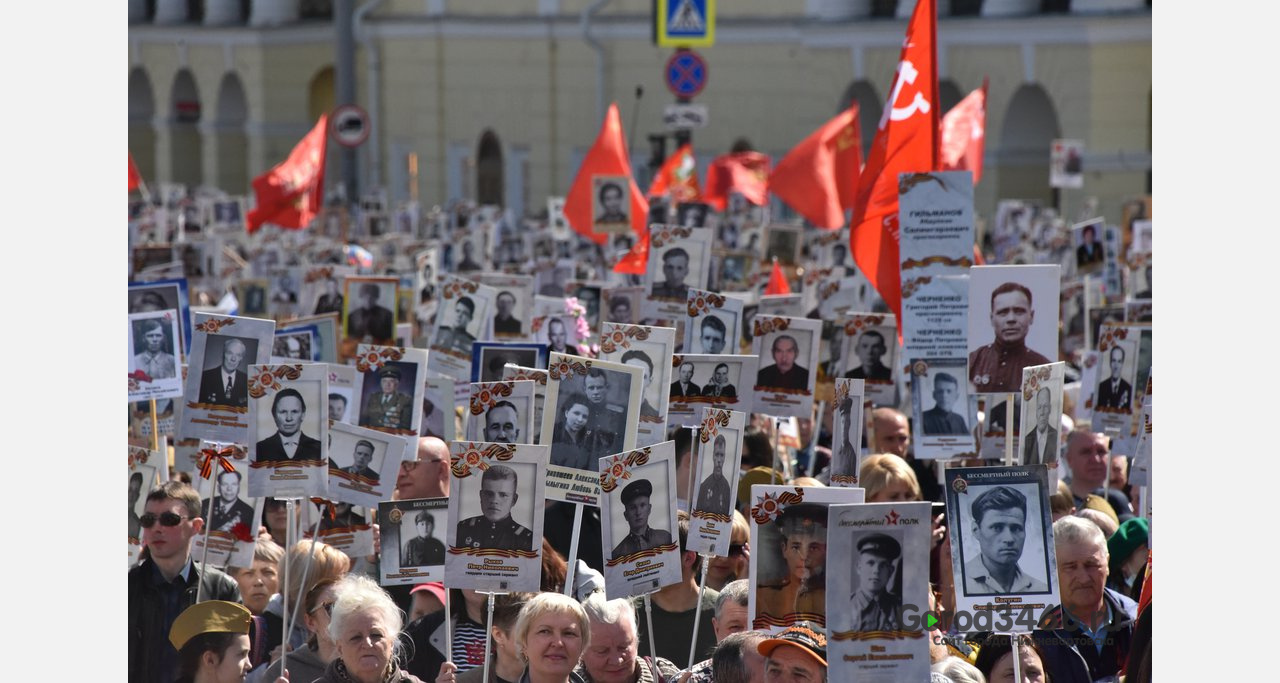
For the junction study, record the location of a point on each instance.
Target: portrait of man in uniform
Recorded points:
(999, 524)
(371, 322)
(713, 493)
(389, 408)
(422, 550)
(228, 509)
(495, 528)
(803, 554)
(873, 606)
(288, 410)
(456, 337)
(675, 268)
(940, 419)
(640, 359)
(870, 349)
(997, 367)
(636, 509)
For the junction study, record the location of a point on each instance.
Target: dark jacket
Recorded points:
(1069, 654)
(148, 635)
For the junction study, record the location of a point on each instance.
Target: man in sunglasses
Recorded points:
(167, 580)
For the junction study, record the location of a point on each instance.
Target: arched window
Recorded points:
(142, 135)
(1029, 128)
(870, 107)
(489, 170)
(185, 158)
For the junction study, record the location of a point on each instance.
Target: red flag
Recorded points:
(777, 281)
(135, 178)
(746, 173)
(607, 157)
(678, 176)
(819, 177)
(290, 194)
(964, 134)
(636, 261)
(906, 142)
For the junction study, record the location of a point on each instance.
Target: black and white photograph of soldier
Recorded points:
(713, 332)
(1000, 519)
(638, 508)
(941, 419)
(864, 358)
(873, 605)
(422, 549)
(498, 524)
(1012, 323)
(228, 508)
(1114, 391)
(502, 422)
(372, 319)
(456, 332)
(847, 443)
(714, 495)
(225, 380)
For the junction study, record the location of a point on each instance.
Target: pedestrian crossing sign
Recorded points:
(685, 23)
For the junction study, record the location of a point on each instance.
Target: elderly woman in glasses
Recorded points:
(365, 628)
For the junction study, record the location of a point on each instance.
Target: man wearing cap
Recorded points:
(388, 408)
(230, 660)
(363, 455)
(636, 510)
(999, 524)
(457, 338)
(713, 494)
(797, 655)
(423, 550)
(167, 580)
(371, 321)
(428, 598)
(804, 553)
(874, 607)
(288, 443)
(494, 528)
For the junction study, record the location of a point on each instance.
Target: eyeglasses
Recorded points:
(409, 465)
(148, 519)
(326, 606)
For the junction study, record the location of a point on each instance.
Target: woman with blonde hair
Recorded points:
(551, 633)
(888, 478)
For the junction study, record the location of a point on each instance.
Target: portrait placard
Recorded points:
(154, 356)
(495, 516)
(1002, 541)
(382, 375)
(1089, 366)
(296, 343)
(363, 464)
(714, 323)
(788, 351)
(342, 405)
(559, 333)
(638, 520)
(783, 243)
(369, 311)
(718, 450)
(1086, 241)
(216, 394)
(287, 405)
(512, 299)
(945, 428)
(610, 203)
(935, 223)
(623, 305)
(488, 358)
(733, 269)
(465, 308)
(251, 293)
(880, 552)
(427, 268)
(711, 381)
(846, 430)
(839, 294)
(511, 372)
(596, 413)
(1119, 358)
(414, 528)
(324, 346)
(143, 468)
(1013, 323)
(231, 516)
(163, 295)
(679, 258)
(437, 408)
(1066, 164)
(500, 412)
(869, 352)
(342, 526)
(556, 221)
(778, 304)
(789, 553)
(648, 349)
(1039, 441)
(322, 289)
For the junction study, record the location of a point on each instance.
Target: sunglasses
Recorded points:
(409, 465)
(326, 606)
(148, 520)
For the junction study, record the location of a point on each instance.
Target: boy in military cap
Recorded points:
(874, 607)
(388, 408)
(636, 510)
(495, 528)
(803, 590)
(212, 639)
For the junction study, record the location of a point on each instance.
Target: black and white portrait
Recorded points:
(386, 397)
(1002, 538)
(623, 305)
(370, 309)
(787, 359)
(610, 203)
(678, 265)
(496, 507)
(644, 515)
(782, 243)
(224, 380)
(153, 342)
(293, 345)
(489, 357)
(1013, 323)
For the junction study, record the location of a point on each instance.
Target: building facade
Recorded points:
(498, 100)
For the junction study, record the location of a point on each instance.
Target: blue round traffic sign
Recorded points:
(686, 73)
